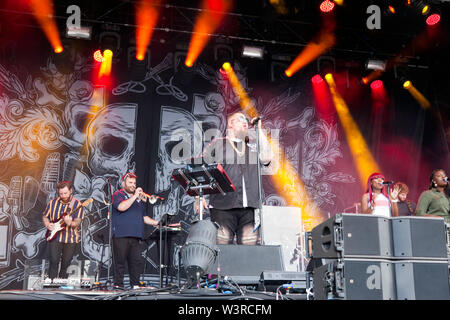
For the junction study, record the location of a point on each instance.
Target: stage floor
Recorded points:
(143, 294)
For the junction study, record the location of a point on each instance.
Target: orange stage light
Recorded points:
(407, 84)
(311, 52)
(207, 22)
(43, 12)
(147, 14)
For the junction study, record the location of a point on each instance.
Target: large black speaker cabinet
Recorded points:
(376, 258)
(349, 235)
(378, 279)
(352, 235)
(419, 238)
(244, 264)
(355, 279)
(422, 280)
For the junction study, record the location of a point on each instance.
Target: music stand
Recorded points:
(202, 179)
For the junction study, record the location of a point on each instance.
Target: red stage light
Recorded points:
(98, 56)
(326, 6)
(433, 19)
(317, 79)
(376, 84)
(391, 9)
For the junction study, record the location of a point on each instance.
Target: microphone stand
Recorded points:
(110, 230)
(389, 199)
(259, 182)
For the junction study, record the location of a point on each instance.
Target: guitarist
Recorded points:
(63, 246)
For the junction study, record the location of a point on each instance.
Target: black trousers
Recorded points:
(60, 252)
(127, 252)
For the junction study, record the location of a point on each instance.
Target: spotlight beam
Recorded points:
(43, 12)
(420, 98)
(361, 154)
(146, 17)
(207, 22)
(314, 49)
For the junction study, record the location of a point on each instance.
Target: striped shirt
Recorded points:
(56, 208)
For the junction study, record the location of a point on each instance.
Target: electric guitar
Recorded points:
(60, 225)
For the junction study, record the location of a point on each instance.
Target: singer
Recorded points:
(234, 212)
(128, 219)
(375, 201)
(435, 202)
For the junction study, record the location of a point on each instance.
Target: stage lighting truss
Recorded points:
(253, 52)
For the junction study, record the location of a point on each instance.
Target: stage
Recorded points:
(143, 294)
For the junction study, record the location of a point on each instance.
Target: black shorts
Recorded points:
(233, 219)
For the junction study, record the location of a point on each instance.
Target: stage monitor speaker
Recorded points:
(244, 264)
(283, 226)
(355, 279)
(352, 235)
(419, 238)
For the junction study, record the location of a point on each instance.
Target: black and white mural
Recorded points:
(53, 127)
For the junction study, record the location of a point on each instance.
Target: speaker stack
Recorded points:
(367, 257)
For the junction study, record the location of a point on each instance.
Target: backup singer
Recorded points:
(435, 202)
(405, 206)
(62, 248)
(128, 219)
(234, 212)
(375, 200)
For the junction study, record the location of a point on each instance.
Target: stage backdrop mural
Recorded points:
(61, 124)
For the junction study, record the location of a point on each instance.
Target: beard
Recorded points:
(129, 189)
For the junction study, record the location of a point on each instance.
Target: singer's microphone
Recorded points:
(387, 182)
(446, 179)
(255, 120)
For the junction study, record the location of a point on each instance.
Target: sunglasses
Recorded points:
(241, 119)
